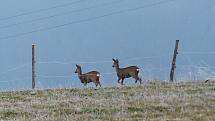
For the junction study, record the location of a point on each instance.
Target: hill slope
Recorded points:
(153, 101)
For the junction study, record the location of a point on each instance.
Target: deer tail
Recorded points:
(98, 75)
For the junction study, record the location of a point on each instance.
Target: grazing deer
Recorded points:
(128, 72)
(92, 76)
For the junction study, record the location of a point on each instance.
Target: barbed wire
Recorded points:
(197, 53)
(101, 61)
(46, 76)
(195, 66)
(125, 59)
(16, 80)
(39, 77)
(15, 68)
(144, 70)
(74, 75)
(75, 62)
(71, 62)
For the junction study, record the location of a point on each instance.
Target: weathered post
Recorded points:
(172, 72)
(33, 66)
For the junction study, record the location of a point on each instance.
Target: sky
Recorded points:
(92, 32)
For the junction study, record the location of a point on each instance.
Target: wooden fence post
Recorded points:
(33, 66)
(172, 72)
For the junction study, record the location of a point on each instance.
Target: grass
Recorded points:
(151, 102)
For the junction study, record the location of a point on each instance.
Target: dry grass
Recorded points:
(152, 102)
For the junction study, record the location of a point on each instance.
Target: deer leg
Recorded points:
(85, 83)
(98, 83)
(119, 80)
(140, 80)
(136, 81)
(87, 80)
(137, 78)
(122, 81)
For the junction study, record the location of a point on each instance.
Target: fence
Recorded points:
(160, 71)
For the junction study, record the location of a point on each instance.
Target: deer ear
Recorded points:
(113, 59)
(117, 60)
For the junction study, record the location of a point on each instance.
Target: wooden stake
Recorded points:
(33, 66)
(172, 72)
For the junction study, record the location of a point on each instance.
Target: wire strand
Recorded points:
(71, 62)
(41, 10)
(197, 53)
(15, 68)
(62, 14)
(102, 61)
(86, 20)
(16, 80)
(74, 75)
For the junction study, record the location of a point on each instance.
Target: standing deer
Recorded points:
(92, 76)
(127, 72)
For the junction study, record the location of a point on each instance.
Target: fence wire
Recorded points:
(191, 71)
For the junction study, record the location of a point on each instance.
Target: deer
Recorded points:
(122, 73)
(92, 76)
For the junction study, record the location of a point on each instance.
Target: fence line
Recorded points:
(18, 80)
(143, 70)
(197, 53)
(72, 75)
(101, 61)
(128, 59)
(144, 58)
(104, 61)
(73, 62)
(45, 76)
(15, 68)
(70, 62)
(102, 74)
(195, 66)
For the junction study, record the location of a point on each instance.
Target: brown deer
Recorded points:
(93, 76)
(127, 72)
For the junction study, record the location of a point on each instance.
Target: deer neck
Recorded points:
(117, 68)
(79, 72)
(80, 76)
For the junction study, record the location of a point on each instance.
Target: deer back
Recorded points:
(90, 76)
(128, 71)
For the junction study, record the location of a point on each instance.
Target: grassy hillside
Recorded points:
(154, 101)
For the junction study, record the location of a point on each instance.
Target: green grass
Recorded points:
(151, 102)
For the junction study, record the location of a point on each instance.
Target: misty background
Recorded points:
(144, 37)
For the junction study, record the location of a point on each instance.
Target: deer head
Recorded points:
(115, 63)
(78, 69)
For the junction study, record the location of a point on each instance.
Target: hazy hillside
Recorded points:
(154, 101)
